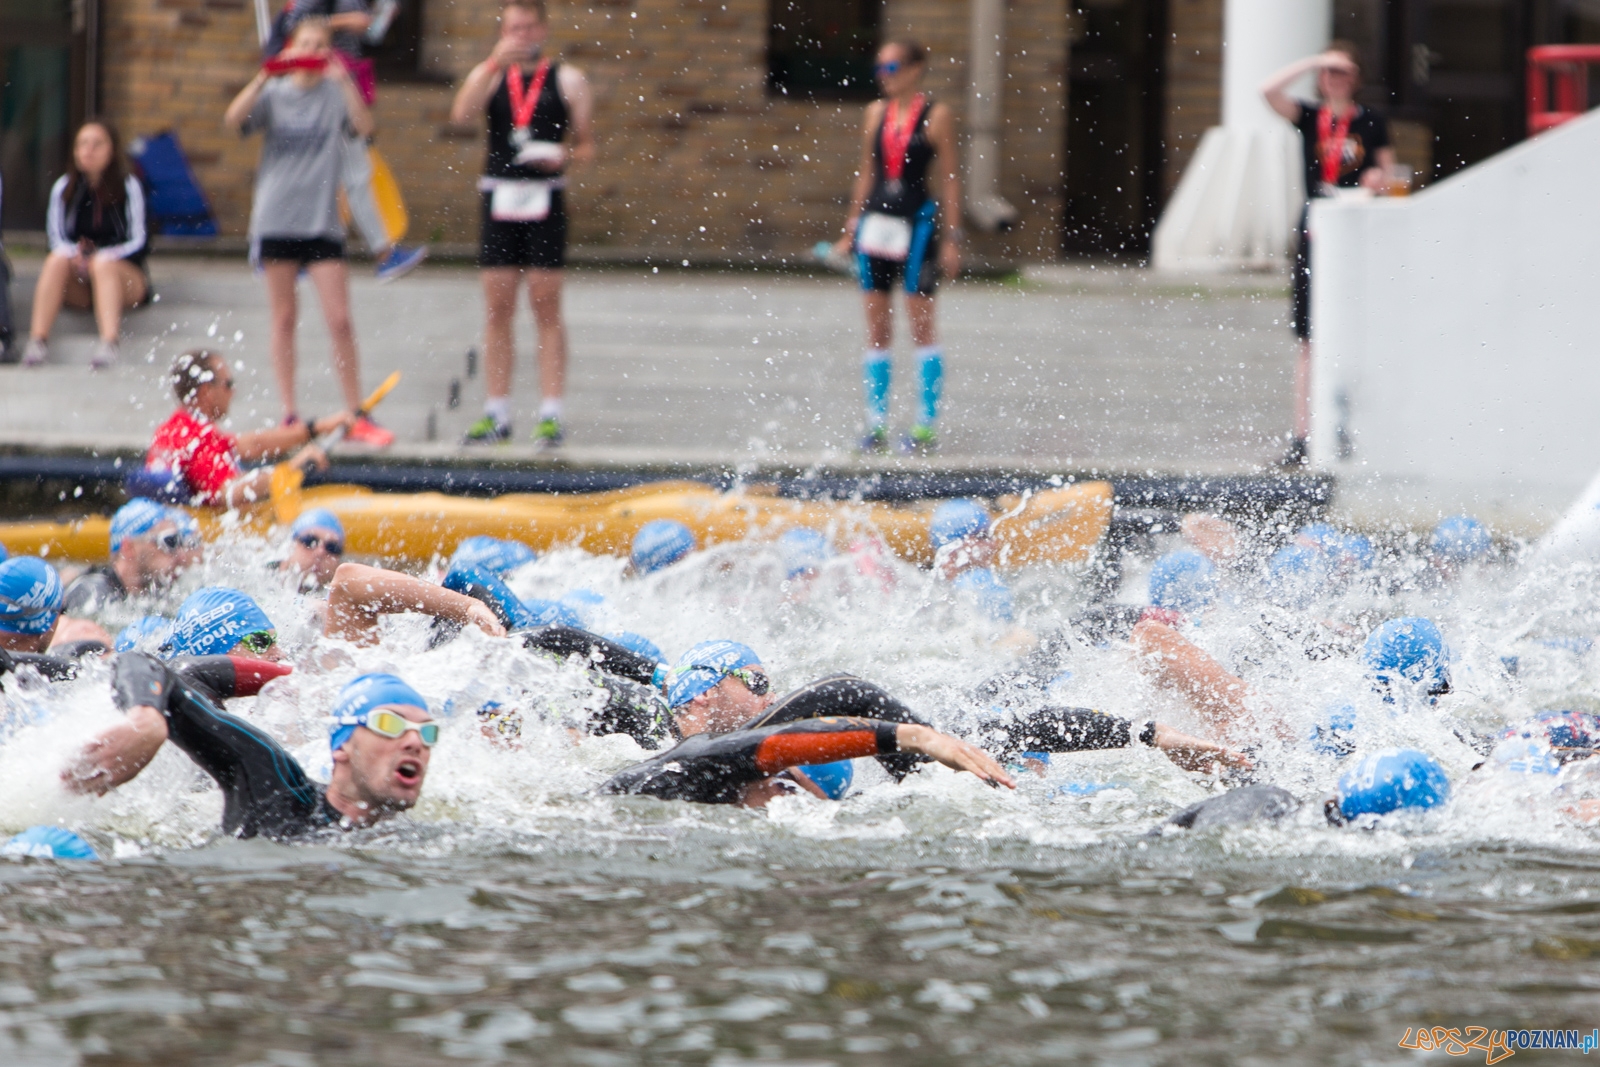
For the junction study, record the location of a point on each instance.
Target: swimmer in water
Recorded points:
(316, 548)
(382, 738)
(720, 687)
(30, 604)
(151, 544)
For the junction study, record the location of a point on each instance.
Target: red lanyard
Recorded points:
(1331, 140)
(523, 104)
(897, 137)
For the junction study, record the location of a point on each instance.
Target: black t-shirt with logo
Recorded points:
(1369, 131)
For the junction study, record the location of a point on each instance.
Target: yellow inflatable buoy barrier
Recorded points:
(1053, 525)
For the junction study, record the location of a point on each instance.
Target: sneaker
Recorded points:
(399, 262)
(36, 353)
(105, 354)
(366, 432)
(921, 441)
(1295, 457)
(876, 440)
(548, 434)
(487, 431)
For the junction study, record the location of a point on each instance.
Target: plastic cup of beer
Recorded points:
(1398, 181)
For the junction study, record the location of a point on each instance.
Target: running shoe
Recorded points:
(921, 441)
(548, 434)
(106, 353)
(400, 261)
(366, 432)
(36, 352)
(876, 440)
(487, 431)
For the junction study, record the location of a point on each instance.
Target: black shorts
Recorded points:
(920, 270)
(301, 250)
(541, 245)
(1300, 281)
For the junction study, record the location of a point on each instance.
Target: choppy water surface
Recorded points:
(515, 915)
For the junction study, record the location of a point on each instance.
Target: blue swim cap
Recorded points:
(211, 622)
(512, 612)
(1296, 575)
(492, 554)
(1409, 648)
(956, 519)
(1331, 736)
(366, 694)
(49, 843)
(1460, 539)
(1393, 779)
(660, 543)
(1183, 581)
(30, 595)
(702, 668)
(135, 519)
(316, 519)
(4, 555)
(636, 643)
(832, 778)
(550, 613)
(803, 550)
(581, 602)
(990, 592)
(1357, 551)
(145, 634)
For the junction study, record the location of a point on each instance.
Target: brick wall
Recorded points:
(705, 147)
(1194, 80)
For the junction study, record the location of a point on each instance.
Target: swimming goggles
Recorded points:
(260, 641)
(887, 69)
(172, 540)
(754, 679)
(392, 724)
(311, 540)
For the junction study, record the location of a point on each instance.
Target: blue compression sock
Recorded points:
(875, 377)
(930, 364)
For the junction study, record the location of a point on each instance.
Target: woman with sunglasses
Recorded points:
(1346, 147)
(907, 190)
(382, 738)
(191, 456)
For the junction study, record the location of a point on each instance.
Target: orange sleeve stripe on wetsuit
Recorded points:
(792, 750)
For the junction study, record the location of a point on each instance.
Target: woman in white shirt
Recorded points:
(98, 244)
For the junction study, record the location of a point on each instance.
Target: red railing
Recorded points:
(1558, 83)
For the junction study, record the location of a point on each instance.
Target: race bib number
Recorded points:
(520, 202)
(884, 236)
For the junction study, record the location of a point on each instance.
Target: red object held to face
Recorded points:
(281, 64)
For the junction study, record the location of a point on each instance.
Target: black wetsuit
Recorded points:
(714, 769)
(633, 706)
(1247, 804)
(93, 591)
(265, 792)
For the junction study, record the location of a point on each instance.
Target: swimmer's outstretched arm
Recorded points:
(604, 655)
(360, 595)
(141, 686)
(1196, 753)
(721, 769)
(1218, 695)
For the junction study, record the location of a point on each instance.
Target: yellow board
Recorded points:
(391, 205)
(1055, 525)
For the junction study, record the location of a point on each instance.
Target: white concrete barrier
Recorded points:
(1455, 336)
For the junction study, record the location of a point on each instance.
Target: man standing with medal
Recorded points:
(894, 230)
(1346, 147)
(540, 120)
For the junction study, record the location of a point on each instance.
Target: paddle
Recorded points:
(287, 480)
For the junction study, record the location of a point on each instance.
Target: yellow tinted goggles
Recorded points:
(392, 724)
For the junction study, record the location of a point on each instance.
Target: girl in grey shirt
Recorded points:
(304, 113)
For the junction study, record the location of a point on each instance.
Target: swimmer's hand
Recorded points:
(1585, 811)
(1197, 754)
(479, 615)
(952, 752)
(118, 754)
